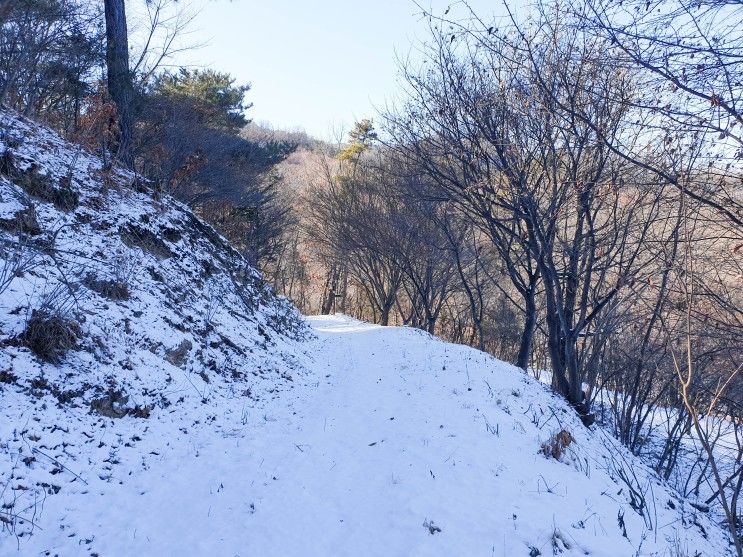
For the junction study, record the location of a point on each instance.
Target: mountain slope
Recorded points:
(157, 399)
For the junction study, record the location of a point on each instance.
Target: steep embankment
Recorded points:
(156, 399)
(120, 313)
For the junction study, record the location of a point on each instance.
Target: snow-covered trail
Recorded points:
(375, 454)
(353, 465)
(396, 436)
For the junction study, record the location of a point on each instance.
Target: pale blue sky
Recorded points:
(313, 65)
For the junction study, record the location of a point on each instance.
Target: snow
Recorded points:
(197, 327)
(269, 434)
(393, 431)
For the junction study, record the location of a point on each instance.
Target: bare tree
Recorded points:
(159, 35)
(50, 54)
(427, 262)
(686, 58)
(443, 128)
(355, 221)
(708, 411)
(505, 124)
(471, 257)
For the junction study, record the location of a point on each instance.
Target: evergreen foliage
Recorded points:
(214, 93)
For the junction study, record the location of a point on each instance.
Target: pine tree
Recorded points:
(215, 93)
(119, 77)
(361, 138)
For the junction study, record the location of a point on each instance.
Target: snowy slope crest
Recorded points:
(116, 306)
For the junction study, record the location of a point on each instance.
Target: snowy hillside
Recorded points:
(157, 399)
(115, 306)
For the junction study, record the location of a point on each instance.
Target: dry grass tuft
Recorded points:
(555, 446)
(49, 336)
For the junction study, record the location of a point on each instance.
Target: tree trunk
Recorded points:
(119, 77)
(527, 336)
(385, 317)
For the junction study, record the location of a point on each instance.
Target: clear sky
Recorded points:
(315, 65)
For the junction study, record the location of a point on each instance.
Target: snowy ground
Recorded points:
(393, 443)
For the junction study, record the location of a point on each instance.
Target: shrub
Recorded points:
(22, 222)
(114, 405)
(146, 240)
(50, 335)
